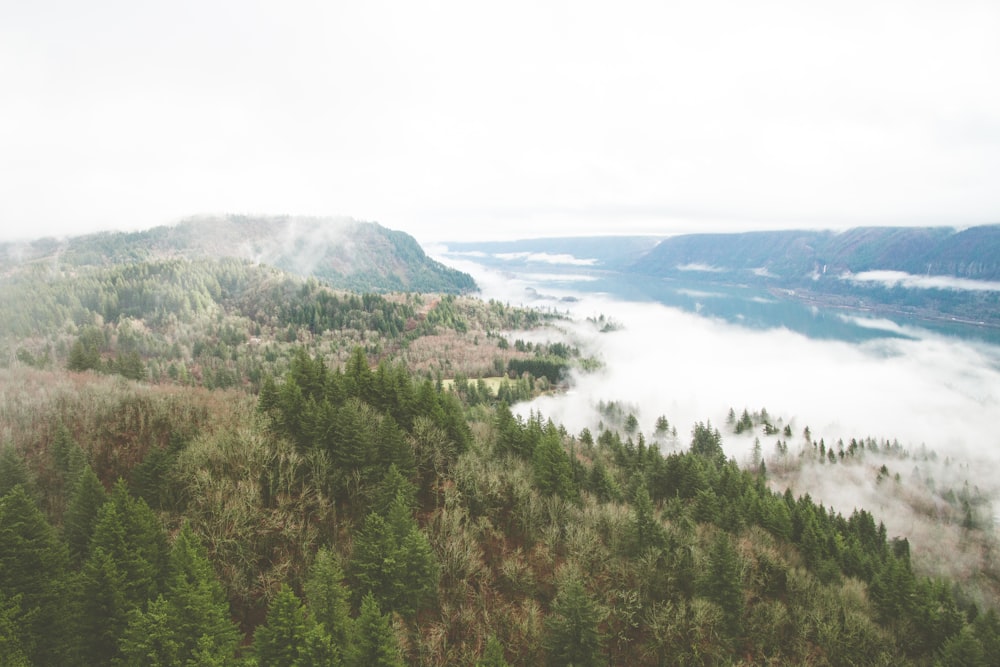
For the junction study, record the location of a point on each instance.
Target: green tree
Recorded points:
(126, 567)
(375, 643)
(33, 565)
(393, 560)
(328, 598)
(493, 654)
(13, 651)
(282, 641)
(131, 534)
(646, 530)
(81, 515)
(963, 650)
(721, 582)
(151, 637)
(572, 635)
(85, 353)
(550, 464)
(200, 609)
(707, 441)
(104, 608)
(13, 470)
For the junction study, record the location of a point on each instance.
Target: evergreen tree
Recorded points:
(393, 560)
(13, 470)
(196, 603)
(13, 650)
(150, 638)
(129, 532)
(375, 643)
(328, 598)
(67, 456)
(963, 650)
(282, 641)
(550, 464)
(647, 531)
(721, 582)
(707, 442)
(493, 654)
(33, 565)
(572, 635)
(104, 609)
(81, 514)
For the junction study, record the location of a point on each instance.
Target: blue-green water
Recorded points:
(757, 308)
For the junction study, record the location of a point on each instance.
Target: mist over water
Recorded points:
(937, 396)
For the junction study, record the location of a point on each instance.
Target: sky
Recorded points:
(463, 120)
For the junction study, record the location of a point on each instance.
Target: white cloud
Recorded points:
(559, 277)
(908, 280)
(545, 258)
(700, 268)
(700, 294)
(456, 120)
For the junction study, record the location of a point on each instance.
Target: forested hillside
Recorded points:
(213, 462)
(351, 515)
(223, 323)
(793, 256)
(342, 252)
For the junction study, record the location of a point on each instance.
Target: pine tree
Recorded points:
(13, 470)
(964, 649)
(493, 654)
(572, 635)
(375, 643)
(393, 560)
(201, 618)
(33, 565)
(647, 532)
(328, 598)
(103, 608)
(150, 637)
(81, 514)
(13, 650)
(129, 532)
(291, 638)
(721, 582)
(552, 472)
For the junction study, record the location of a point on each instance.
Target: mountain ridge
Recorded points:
(344, 252)
(931, 273)
(972, 253)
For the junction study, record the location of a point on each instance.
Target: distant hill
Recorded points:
(795, 256)
(343, 252)
(933, 273)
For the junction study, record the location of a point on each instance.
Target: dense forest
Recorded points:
(360, 515)
(212, 462)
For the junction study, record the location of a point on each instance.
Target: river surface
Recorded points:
(691, 350)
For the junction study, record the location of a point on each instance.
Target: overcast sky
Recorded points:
(464, 119)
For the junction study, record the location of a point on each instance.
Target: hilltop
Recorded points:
(342, 252)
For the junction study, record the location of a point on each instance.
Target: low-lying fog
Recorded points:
(929, 392)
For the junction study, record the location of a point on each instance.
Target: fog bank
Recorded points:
(937, 396)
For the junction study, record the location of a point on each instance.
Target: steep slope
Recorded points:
(346, 253)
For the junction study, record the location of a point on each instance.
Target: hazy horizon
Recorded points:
(454, 121)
